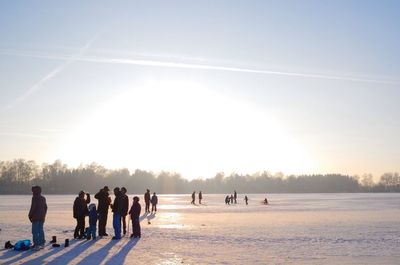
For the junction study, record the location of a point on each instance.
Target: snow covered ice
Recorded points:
(293, 229)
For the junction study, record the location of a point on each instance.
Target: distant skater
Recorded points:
(235, 196)
(231, 199)
(147, 201)
(246, 199)
(154, 201)
(80, 211)
(265, 201)
(125, 207)
(102, 208)
(193, 197)
(91, 233)
(200, 197)
(135, 213)
(37, 216)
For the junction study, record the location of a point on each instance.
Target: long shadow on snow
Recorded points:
(120, 257)
(73, 252)
(99, 255)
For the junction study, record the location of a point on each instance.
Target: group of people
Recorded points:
(83, 207)
(194, 197)
(232, 199)
(119, 208)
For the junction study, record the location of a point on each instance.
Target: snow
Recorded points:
(293, 229)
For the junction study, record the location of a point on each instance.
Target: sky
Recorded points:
(200, 87)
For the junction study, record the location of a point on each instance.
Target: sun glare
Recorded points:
(182, 127)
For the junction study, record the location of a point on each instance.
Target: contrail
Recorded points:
(169, 64)
(49, 76)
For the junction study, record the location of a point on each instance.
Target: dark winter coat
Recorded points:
(135, 210)
(147, 197)
(104, 201)
(80, 207)
(124, 204)
(154, 199)
(93, 217)
(117, 206)
(38, 209)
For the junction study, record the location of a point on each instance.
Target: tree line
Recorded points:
(18, 176)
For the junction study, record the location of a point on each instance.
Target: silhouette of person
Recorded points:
(193, 197)
(200, 197)
(117, 213)
(246, 199)
(235, 196)
(227, 199)
(265, 201)
(154, 201)
(231, 199)
(125, 206)
(147, 201)
(37, 215)
(80, 211)
(104, 203)
(135, 213)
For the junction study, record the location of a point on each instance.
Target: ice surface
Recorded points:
(293, 229)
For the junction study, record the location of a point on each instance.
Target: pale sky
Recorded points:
(199, 87)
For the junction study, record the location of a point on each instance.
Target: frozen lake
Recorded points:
(293, 229)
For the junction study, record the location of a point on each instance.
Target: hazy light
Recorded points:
(179, 126)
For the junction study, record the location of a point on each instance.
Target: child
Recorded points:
(135, 213)
(91, 233)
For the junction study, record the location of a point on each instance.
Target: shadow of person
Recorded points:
(151, 216)
(120, 257)
(75, 249)
(16, 254)
(99, 255)
(141, 218)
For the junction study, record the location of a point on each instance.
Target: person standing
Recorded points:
(235, 196)
(104, 203)
(200, 197)
(231, 199)
(193, 197)
(91, 233)
(147, 201)
(37, 216)
(246, 199)
(80, 211)
(125, 206)
(117, 213)
(154, 201)
(135, 213)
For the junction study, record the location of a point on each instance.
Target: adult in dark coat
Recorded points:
(235, 196)
(117, 213)
(80, 212)
(135, 213)
(104, 202)
(37, 216)
(147, 201)
(200, 197)
(125, 206)
(154, 201)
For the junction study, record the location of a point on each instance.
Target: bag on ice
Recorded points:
(22, 245)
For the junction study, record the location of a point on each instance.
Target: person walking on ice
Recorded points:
(193, 197)
(154, 201)
(246, 199)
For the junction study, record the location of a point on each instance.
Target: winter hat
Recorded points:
(92, 206)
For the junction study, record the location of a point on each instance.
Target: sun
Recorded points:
(182, 127)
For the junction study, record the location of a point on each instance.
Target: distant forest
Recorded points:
(17, 177)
